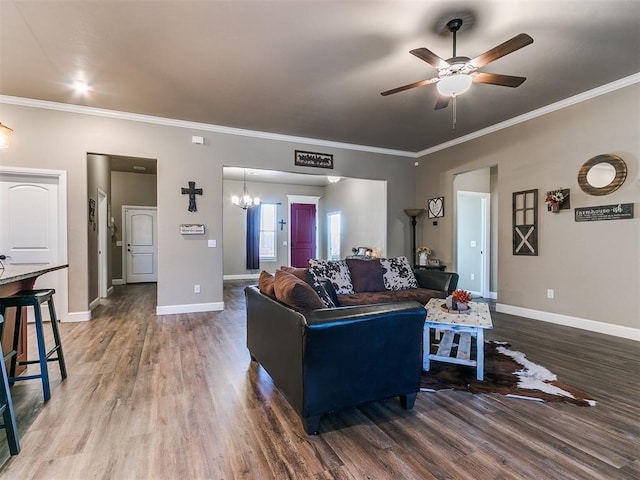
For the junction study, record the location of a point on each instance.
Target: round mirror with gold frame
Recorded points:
(602, 174)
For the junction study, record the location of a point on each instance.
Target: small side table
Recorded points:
(467, 325)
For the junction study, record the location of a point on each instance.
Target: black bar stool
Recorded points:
(6, 404)
(34, 298)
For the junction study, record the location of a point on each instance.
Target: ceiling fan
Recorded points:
(456, 74)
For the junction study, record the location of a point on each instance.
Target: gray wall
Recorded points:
(588, 264)
(46, 138)
(363, 205)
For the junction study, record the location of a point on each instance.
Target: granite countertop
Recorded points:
(15, 273)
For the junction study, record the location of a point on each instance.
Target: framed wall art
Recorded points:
(525, 222)
(435, 207)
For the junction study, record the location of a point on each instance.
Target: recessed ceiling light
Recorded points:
(81, 87)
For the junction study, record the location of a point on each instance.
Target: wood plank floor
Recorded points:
(176, 397)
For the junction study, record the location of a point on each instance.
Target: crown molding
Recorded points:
(136, 117)
(567, 102)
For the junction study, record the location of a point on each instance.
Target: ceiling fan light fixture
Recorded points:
(454, 84)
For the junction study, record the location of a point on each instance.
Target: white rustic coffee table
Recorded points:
(467, 325)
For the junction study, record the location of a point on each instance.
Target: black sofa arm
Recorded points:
(437, 280)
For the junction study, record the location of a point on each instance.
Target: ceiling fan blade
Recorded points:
(411, 85)
(442, 102)
(501, 50)
(429, 57)
(497, 79)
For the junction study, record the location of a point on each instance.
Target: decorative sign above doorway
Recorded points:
(311, 159)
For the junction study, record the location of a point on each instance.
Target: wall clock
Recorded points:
(435, 207)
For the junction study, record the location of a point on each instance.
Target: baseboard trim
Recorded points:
(243, 276)
(118, 281)
(109, 291)
(569, 321)
(94, 304)
(78, 317)
(191, 308)
(493, 295)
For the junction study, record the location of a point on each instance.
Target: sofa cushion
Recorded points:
(335, 270)
(367, 298)
(296, 293)
(397, 273)
(312, 279)
(266, 284)
(366, 275)
(420, 295)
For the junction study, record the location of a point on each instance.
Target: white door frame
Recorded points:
(62, 295)
(485, 287)
(102, 245)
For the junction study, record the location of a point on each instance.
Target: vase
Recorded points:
(555, 207)
(423, 258)
(461, 307)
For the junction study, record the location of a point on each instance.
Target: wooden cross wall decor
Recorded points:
(525, 222)
(192, 191)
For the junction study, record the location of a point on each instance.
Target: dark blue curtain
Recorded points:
(253, 238)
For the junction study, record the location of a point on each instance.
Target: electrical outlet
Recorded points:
(550, 293)
(196, 289)
(211, 243)
(473, 276)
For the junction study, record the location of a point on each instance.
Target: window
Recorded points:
(268, 247)
(334, 220)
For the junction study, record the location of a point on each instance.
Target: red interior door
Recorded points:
(303, 233)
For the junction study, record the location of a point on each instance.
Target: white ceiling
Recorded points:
(312, 69)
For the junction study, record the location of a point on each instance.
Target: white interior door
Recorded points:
(33, 219)
(141, 249)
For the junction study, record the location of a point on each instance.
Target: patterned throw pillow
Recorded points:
(312, 279)
(337, 271)
(398, 274)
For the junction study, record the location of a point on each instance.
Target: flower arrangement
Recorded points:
(554, 197)
(461, 296)
(426, 250)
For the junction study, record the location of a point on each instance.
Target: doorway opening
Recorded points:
(114, 181)
(476, 231)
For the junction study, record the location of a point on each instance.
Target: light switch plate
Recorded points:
(211, 243)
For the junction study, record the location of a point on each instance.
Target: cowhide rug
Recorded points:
(507, 372)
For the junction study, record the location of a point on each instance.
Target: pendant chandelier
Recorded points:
(245, 201)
